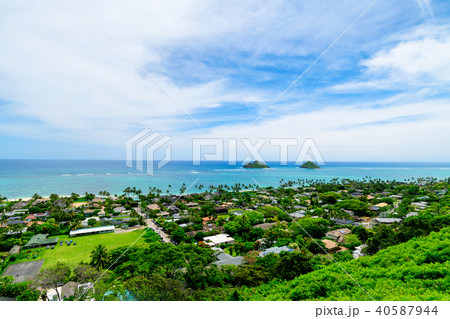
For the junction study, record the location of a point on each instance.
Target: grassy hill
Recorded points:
(416, 270)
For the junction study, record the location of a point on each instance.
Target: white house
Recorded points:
(219, 239)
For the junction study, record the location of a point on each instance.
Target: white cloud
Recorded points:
(397, 132)
(61, 70)
(65, 80)
(419, 59)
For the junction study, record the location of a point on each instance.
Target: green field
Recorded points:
(72, 255)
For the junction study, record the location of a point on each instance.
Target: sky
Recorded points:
(78, 78)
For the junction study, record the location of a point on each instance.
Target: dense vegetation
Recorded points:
(416, 270)
(406, 260)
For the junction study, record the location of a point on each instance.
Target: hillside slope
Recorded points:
(416, 270)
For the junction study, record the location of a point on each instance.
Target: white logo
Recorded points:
(142, 146)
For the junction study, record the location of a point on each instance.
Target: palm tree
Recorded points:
(99, 257)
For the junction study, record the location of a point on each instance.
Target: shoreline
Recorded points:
(260, 182)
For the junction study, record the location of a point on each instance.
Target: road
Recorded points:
(152, 225)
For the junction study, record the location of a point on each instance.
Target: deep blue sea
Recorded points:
(23, 178)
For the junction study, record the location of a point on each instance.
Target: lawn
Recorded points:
(74, 254)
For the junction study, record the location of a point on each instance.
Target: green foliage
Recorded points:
(250, 275)
(316, 246)
(361, 232)
(358, 207)
(6, 281)
(157, 288)
(384, 236)
(20, 291)
(352, 240)
(270, 211)
(133, 222)
(178, 235)
(99, 257)
(293, 264)
(150, 236)
(52, 277)
(415, 270)
(329, 197)
(315, 227)
(242, 225)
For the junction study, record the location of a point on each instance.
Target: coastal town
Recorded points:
(207, 244)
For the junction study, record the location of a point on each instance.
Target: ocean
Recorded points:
(23, 178)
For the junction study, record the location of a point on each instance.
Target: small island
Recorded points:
(309, 165)
(255, 164)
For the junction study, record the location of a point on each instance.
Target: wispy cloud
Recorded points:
(63, 81)
(418, 59)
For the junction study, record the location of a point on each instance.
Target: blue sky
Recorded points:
(380, 93)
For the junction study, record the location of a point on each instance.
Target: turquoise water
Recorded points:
(23, 178)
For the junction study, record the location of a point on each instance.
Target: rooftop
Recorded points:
(92, 230)
(41, 240)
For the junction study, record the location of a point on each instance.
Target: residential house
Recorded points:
(30, 218)
(226, 259)
(218, 240)
(298, 214)
(163, 214)
(221, 209)
(19, 205)
(419, 205)
(264, 225)
(386, 221)
(275, 250)
(339, 221)
(153, 207)
(330, 245)
(338, 234)
(119, 209)
(207, 220)
(173, 209)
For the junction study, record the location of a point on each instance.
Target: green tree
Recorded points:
(6, 281)
(53, 277)
(293, 264)
(352, 240)
(250, 275)
(315, 227)
(99, 257)
(133, 222)
(157, 288)
(178, 235)
(357, 206)
(92, 222)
